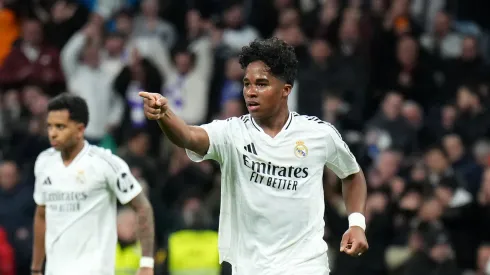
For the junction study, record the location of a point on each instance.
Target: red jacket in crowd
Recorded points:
(18, 69)
(7, 264)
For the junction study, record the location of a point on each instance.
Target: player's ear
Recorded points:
(286, 90)
(81, 129)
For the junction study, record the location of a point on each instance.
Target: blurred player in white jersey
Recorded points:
(272, 162)
(76, 190)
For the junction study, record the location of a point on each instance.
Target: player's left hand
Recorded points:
(145, 271)
(354, 242)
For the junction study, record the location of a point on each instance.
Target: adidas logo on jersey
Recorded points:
(47, 181)
(250, 148)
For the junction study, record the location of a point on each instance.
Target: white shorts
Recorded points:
(317, 266)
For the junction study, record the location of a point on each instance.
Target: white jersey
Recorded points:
(272, 200)
(81, 206)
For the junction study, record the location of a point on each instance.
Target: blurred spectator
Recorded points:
(389, 119)
(194, 25)
(481, 151)
(384, 169)
(443, 43)
(185, 177)
(135, 153)
(86, 78)
(437, 257)
(115, 55)
(439, 168)
(193, 248)
(483, 265)
(410, 205)
(16, 213)
(467, 69)
(484, 204)
(350, 63)
(139, 75)
(9, 31)
(105, 8)
(426, 12)
(411, 77)
(334, 109)
(123, 22)
(237, 34)
(458, 219)
(187, 78)
(441, 121)
(148, 24)
(65, 18)
(28, 135)
(231, 92)
(414, 115)
(10, 113)
(399, 20)
(31, 60)
(328, 21)
(473, 119)
(462, 162)
(315, 78)
(128, 251)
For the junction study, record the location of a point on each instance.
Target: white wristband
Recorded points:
(357, 219)
(147, 262)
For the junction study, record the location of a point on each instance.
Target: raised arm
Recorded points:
(69, 54)
(160, 55)
(193, 138)
(204, 53)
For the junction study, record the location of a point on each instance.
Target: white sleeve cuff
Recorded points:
(195, 157)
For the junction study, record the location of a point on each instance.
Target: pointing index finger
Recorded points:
(144, 95)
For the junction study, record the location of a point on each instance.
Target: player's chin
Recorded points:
(56, 145)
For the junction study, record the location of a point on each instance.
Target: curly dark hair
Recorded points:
(276, 54)
(75, 105)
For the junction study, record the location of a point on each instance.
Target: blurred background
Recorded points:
(406, 83)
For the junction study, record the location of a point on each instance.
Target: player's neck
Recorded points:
(274, 124)
(70, 154)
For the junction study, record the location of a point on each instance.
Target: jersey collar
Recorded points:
(285, 127)
(86, 147)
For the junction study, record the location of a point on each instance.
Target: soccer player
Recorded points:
(272, 162)
(77, 187)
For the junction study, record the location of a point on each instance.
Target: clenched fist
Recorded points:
(354, 242)
(155, 105)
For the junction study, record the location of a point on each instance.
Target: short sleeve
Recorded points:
(120, 180)
(218, 141)
(339, 158)
(38, 184)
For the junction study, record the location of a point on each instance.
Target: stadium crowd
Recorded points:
(407, 84)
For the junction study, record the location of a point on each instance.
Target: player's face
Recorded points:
(264, 93)
(63, 132)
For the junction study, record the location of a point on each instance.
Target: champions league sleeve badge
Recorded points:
(300, 150)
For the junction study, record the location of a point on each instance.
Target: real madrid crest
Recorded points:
(80, 176)
(300, 150)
